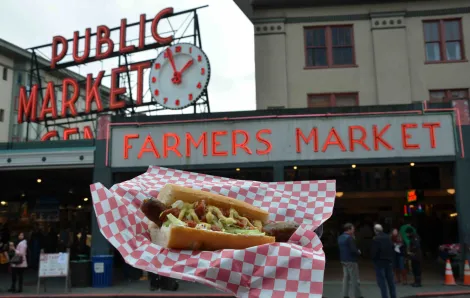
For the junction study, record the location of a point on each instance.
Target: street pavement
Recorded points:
(332, 289)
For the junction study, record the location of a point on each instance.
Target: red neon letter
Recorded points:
(93, 92)
(378, 137)
(87, 133)
(167, 147)
(190, 141)
(244, 143)
(164, 13)
(432, 133)
(49, 135)
(69, 103)
(140, 67)
(28, 107)
(86, 51)
(49, 97)
(145, 148)
(103, 37)
(333, 139)
(405, 136)
(216, 143)
(300, 135)
(264, 141)
(115, 90)
(122, 39)
(361, 140)
(128, 146)
(142, 31)
(56, 57)
(70, 131)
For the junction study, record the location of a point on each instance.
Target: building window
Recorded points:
(329, 46)
(2, 115)
(5, 73)
(332, 100)
(447, 95)
(443, 40)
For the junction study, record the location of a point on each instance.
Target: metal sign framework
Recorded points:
(188, 31)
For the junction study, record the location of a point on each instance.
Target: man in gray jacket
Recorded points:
(348, 255)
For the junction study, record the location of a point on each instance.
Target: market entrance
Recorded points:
(418, 194)
(52, 207)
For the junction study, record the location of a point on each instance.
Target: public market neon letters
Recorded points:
(28, 109)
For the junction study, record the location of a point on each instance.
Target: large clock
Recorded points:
(179, 76)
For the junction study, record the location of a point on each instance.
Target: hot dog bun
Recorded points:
(171, 193)
(189, 238)
(183, 237)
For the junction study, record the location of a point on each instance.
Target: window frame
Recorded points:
(329, 47)
(448, 93)
(442, 41)
(332, 97)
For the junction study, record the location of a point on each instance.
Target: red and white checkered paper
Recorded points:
(293, 269)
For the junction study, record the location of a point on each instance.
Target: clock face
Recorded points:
(179, 76)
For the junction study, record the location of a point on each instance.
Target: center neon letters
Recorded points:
(207, 143)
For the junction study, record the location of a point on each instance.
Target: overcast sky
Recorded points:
(227, 36)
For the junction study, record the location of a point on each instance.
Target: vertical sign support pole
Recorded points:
(39, 285)
(67, 276)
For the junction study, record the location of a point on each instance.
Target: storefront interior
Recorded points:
(368, 194)
(420, 194)
(60, 199)
(48, 201)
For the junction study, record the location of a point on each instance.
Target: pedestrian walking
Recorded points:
(415, 255)
(401, 274)
(18, 263)
(382, 256)
(349, 255)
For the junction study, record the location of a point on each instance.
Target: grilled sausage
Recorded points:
(281, 230)
(152, 209)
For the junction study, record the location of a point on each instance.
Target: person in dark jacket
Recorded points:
(50, 241)
(382, 256)
(348, 255)
(415, 255)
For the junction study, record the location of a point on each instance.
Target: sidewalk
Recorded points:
(332, 289)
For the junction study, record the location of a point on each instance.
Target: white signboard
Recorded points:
(54, 265)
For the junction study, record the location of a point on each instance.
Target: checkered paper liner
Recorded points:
(293, 269)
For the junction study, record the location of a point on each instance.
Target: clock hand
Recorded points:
(172, 61)
(186, 66)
